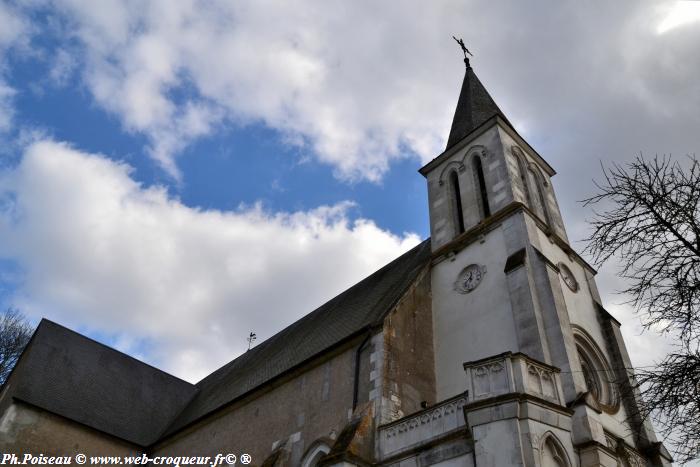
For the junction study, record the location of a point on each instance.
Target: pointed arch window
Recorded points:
(458, 212)
(533, 183)
(315, 453)
(481, 186)
(523, 180)
(597, 374)
(538, 180)
(553, 453)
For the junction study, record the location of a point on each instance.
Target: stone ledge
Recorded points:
(433, 423)
(520, 406)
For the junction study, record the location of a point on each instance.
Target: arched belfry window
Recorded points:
(523, 179)
(539, 186)
(533, 185)
(481, 186)
(458, 212)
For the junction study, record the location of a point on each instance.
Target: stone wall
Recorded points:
(25, 429)
(313, 404)
(408, 359)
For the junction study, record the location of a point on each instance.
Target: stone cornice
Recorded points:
(518, 397)
(465, 239)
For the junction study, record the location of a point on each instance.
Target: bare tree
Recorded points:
(15, 332)
(650, 222)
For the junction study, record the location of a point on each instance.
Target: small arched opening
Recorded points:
(315, 453)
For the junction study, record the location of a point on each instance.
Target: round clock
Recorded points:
(469, 278)
(568, 277)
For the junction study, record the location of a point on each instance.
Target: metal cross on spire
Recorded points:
(465, 50)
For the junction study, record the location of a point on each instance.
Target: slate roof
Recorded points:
(71, 375)
(358, 308)
(474, 107)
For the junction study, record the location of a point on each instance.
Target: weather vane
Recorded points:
(464, 49)
(250, 339)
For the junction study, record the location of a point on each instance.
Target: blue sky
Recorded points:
(173, 176)
(282, 172)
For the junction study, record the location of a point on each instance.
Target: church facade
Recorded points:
(485, 345)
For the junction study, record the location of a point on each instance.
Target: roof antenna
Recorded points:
(466, 51)
(251, 338)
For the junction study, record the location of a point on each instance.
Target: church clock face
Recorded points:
(568, 277)
(469, 278)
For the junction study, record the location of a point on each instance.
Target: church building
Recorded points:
(487, 345)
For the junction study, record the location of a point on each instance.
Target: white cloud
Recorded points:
(62, 67)
(174, 71)
(677, 14)
(367, 83)
(13, 26)
(102, 253)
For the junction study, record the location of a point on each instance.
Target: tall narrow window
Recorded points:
(523, 180)
(541, 200)
(457, 204)
(483, 196)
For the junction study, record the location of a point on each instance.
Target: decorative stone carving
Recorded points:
(424, 425)
(626, 456)
(490, 379)
(478, 149)
(541, 382)
(610, 441)
(552, 452)
(424, 417)
(634, 459)
(460, 168)
(512, 373)
(536, 440)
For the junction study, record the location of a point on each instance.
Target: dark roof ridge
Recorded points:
(109, 348)
(83, 380)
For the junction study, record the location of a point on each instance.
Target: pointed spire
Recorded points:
(474, 107)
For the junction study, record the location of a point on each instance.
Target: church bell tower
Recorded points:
(518, 324)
